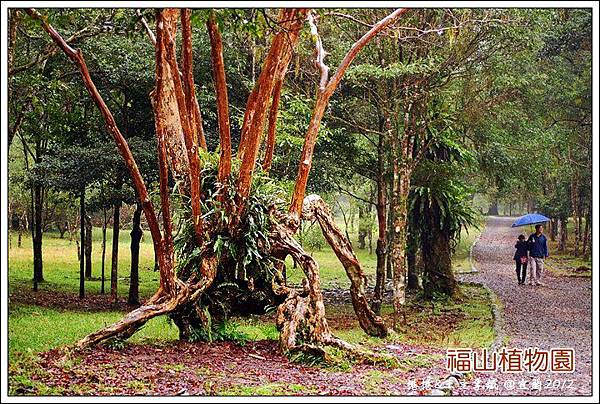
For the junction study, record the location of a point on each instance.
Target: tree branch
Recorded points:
(321, 103)
(77, 57)
(147, 28)
(165, 39)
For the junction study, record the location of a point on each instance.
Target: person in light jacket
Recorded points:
(538, 251)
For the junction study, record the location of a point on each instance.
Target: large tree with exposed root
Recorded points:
(217, 207)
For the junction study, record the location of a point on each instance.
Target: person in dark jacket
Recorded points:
(521, 258)
(538, 251)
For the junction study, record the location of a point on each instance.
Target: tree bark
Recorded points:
(14, 16)
(575, 210)
(553, 229)
(493, 209)
(277, 60)
(271, 131)
(362, 231)
(114, 263)
(562, 234)
(134, 278)
(435, 252)
(381, 250)
(193, 108)
(37, 233)
(530, 205)
(587, 238)
(412, 282)
(218, 68)
(165, 52)
(302, 311)
(88, 247)
(104, 222)
(399, 210)
(82, 254)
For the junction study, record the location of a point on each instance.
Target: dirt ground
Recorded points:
(227, 369)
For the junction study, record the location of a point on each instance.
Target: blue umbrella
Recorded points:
(531, 218)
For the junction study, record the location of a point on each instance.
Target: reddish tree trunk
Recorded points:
(270, 145)
(165, 51)
(193, 108)
(281, 46)
(216, 54)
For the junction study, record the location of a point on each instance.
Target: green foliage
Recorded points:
(245, 252)
(439, 183)
(391, 71)
(308, 358)
(223, 331)
(117, 344)
(311, 237)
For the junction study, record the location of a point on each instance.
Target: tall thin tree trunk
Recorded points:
(493, 209)
(114, 265)
(389, 236)
(104, 222)
(562, 234)
(587, 238)
(553, 229)
(381, 208)
(134, 278)
(88, 247)
(82, 254)
(38, 274)
(402, 145)
(216, 55)
(399, 237)
(530, 205)
(362, 231)
(412, 282)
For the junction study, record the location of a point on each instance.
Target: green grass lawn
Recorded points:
(61, 266)
(33, 329)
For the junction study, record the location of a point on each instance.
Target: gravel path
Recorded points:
(557, 315)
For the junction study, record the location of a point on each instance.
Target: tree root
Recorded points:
(301, 317)
(315, 209)
(158, 305)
